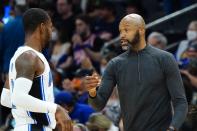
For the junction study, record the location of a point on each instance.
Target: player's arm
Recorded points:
(98, 98)
(5, 95)
(26, 68)
(176, 90)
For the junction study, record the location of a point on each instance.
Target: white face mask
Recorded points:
(191, 35)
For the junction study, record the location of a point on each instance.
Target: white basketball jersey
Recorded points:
(42, 88)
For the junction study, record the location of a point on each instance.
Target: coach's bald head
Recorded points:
(132, 30)
(134, 20)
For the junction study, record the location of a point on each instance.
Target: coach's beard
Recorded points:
(126, 44)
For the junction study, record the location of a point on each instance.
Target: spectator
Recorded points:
(85, 43)
(191, 51)
(113, 113)
(9, 124)
(157, 40)
(107, 25)
(64, 20)
(77, 6)
(107, 55)
(33, 3)
(82, 93)
(78, 112)
(80, 127)
(191, 74)
(173, 5)
(48, 6)
(99, 122)
(134, 7)
(68, 85)
(12, 36)
(92, 9)
(191, 38)
(76, 85)
(61, 58)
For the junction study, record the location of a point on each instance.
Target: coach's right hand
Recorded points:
(91, 83)
(63, 119)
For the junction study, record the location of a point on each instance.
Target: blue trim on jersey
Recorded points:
(44, 128)
(50, 79)
(29, 114)
(12, 84)
(12, 88)
(29, 127)
(11, 67)
(48, 119)
(42, 88)
(43, 97)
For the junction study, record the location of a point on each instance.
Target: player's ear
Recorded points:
(42, 27)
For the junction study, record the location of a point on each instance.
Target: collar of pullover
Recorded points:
(130, 51)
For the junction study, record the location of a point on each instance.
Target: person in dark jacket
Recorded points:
(148, 81)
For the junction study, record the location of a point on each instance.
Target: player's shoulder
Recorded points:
(28, 57)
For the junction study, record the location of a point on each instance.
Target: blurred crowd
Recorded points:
(78, 48)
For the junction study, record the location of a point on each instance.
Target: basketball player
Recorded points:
(30, 81)
(148, 80)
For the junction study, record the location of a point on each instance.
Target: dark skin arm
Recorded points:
(28, 65)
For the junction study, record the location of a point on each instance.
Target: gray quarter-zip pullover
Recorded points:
(148, 81)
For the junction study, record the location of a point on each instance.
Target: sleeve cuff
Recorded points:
(91, 96)
(95, 95)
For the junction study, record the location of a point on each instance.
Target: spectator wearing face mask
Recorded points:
(191, 38)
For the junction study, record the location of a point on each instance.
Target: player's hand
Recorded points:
(63, 119)
(91, 82)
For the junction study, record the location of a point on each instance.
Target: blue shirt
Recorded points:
(81, 113)
(83, 99)
(13, 36)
